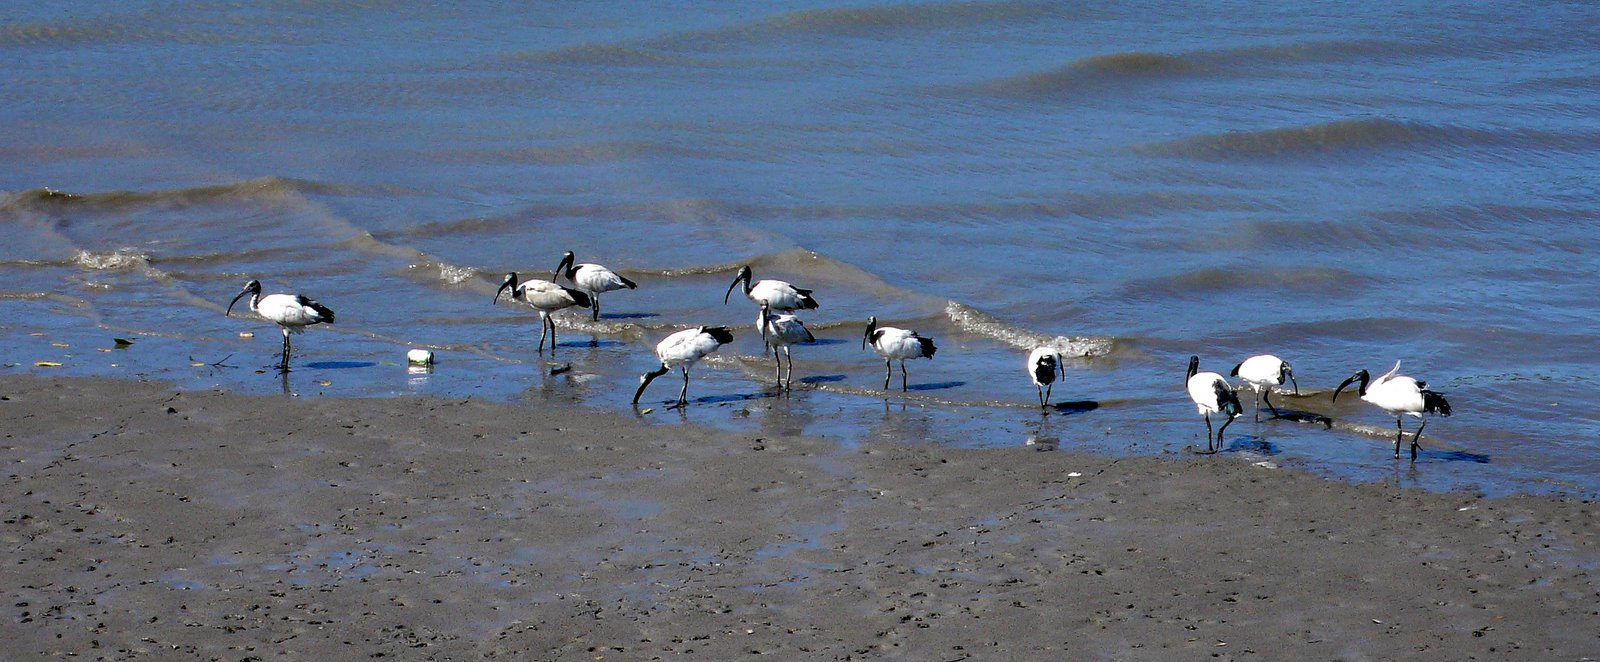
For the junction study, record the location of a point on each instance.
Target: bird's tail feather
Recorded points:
(1434, 403)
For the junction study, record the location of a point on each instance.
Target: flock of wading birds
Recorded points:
(1211, 392)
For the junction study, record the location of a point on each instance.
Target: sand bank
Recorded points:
(139, 521)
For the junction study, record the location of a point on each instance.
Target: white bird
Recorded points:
(1043, 364)
(292, 312)
(545, 297)
(1212, 394)
(775, 294)
(1262, 373)
(592, 279)
(682, 350)
(1399, 395)
(782, 330)
(896, 345)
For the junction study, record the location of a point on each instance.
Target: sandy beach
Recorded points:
(142, 522)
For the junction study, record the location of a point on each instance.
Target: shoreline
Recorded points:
(147, 520)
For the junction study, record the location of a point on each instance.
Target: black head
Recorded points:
(1194, 368)
(252, 288)
(510, 283)
(565, 267)
(645, 379)
(872, 325)
(744, 276)
(1360, 376)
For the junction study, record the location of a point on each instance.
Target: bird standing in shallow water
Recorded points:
(775, 294)
(1212, 394)
(292, 312)
(782, 330)
(1398, 395)
(682, 350)
(545, 297)
(1043, 364)
(895, 344)
(592, 279)
(1262, 373)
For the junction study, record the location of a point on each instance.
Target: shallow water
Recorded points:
(1341, 187)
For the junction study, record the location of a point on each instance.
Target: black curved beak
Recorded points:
(645, 379)
(1289, 372)
(508, 283)
(1194, 368)
(744, 275)
(1061, 366)
(236, 299)
(872, 325)
(1360, 376)
(566, 261)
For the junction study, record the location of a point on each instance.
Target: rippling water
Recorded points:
(1344, 186)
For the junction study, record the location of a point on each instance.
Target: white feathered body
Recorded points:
(547, 297)
(784, 329)
(900, 344)
(1262, 372)
(685, 348)
(595, 279)
(291, 311)
(1203, 390)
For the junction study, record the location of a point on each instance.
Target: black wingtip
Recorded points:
(630, 284)
(1235, 372)
(721, 334)
(928, 347)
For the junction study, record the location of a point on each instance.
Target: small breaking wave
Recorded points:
(1099, 71)
(122, 258)
(1362, 135)
(976, 322)
(265, 189)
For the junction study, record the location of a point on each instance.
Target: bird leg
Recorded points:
(1220, 430)
(1208, 433)
(903, 388)
(1399, 433)
(283, 366)
(552, 321)
(788, 377)
(1047, 389)
(1417, 437)
(888, 371)
(595, 299)
(683, 394)
(1041, 396)
(543, 326)
(777, 367)
(1266, 396)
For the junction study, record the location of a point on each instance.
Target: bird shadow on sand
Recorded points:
(1302, 417)
(822, 379)
(936, 386)
(736, 397)
(580, 344)
(1451, 455)
(340, 365)
(1074, 407)
(1253, 444)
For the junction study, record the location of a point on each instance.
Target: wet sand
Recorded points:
(143, 522)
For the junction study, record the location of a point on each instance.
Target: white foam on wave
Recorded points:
(122, 258)
(976, 322)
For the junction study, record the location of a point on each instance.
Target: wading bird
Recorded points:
(592, 279)
(896, 345)
(1043, 364)
(682, 350)
(545, 297)
(775, 294)
(1262, 373)
(782, 330)
(1398, 395)
(292, 312)
(1212, 394)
